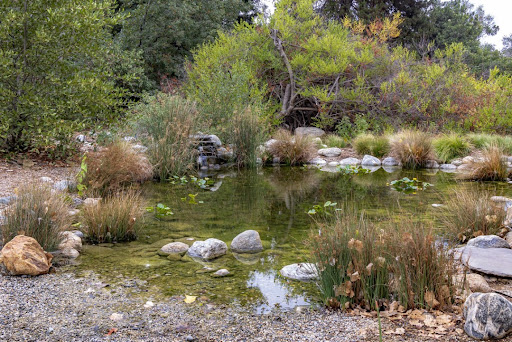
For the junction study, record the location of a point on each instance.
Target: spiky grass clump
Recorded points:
(114, 167)
(333, 140)
(39, 213)
(359, 263)
(449, 147)
(248, 132)
(468, 213)
(377, 146)
(482, 141)
(113, 219)
(491, 167)
(166, 123)
(292, 149)
(412, 148)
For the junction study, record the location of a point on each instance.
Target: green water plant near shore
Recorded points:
(409, 186)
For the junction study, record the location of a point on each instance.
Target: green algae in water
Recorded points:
(273, 201)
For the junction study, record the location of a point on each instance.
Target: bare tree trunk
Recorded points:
(290, 91)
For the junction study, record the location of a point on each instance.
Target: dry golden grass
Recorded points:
(492, 167)
(292, 149)
(39, 213)
(413, 148)
(115, 167)
(113, 219)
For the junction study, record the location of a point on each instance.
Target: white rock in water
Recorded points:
(317, 161)
(221, 273)
(209, 249)
(350, 161)
(248, 241)
(488, 316)
(370, 161)
(175, 248)
(390, 161)
(330, 152)
(431, 164)
(70, 253)
(301, 271)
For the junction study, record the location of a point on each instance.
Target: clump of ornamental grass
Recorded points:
(113, 219)
(117, 166)
(292, 149)
(334, 140)
(468, 213)
(361, 264)
(452, 146)
(37, 212)
(482, 140)
(165, 124)
(412, 148)
(492, 166)
(377, 146)
(247, 133)
(350, 258)
(422, 265)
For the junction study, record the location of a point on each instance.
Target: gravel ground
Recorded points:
(62, 307)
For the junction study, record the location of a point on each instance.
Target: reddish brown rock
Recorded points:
(24, 256)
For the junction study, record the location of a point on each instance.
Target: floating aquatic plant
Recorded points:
(409, 185)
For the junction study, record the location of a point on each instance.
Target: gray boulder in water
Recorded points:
(247, 242)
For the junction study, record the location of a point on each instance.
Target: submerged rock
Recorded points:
(330, 152)
(301, 271)
(488, 241)
(310, 131)
(317, 161)
(70, 240)
(247, 242)
(247, 259)
(174, 248)
(448, 167)
(24, 256)
(488, 316)
(370, 161)
(207, 250)
(431, 164)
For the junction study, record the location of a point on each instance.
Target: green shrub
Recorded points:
(468, 213)
(412, 148)
(113, 219)
(247, 133)
(449, 147)
(165, 123)
(292, 149)
(39, 213)
(491, 167)
(114, 167)
(376, 146)
(333, 140)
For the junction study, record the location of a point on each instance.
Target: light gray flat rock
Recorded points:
(492, 261)
(350, 161)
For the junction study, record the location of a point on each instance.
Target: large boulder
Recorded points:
(208, 249)
(488, 316)
(488, 241)
(492, 261)
(301, 271)
(70, 240)
(370, 161)
(24, 256)
(330, 152)
(310, 131)
(247, 242)
(174, 248)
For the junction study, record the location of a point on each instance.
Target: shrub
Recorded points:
(292, 149)
(113, 219)
(114, 167)
(468, 213)
(449, 147)
(333, 140)
(491, 167)
(39, 213)
(247, 133)
(377, 146)
(412, 148)
(166, 123)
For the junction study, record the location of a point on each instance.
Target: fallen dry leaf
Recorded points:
(190, 299)
(111, 331)
(443, 319)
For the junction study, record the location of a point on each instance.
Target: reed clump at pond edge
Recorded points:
(361, 263)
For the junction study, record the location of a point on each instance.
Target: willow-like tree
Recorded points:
(55, 73)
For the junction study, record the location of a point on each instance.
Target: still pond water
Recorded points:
(273, 201)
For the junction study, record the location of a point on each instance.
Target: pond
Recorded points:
(273, 201)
